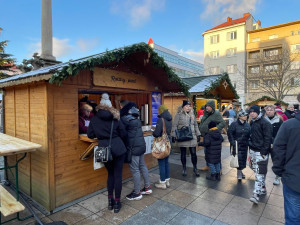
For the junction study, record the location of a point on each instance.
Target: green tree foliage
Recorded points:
(6, 62)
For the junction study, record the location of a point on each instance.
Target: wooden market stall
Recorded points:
(42, 106)
(266, 100)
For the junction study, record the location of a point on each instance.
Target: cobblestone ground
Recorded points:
(189, 200)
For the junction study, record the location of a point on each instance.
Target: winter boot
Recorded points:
(211, 176)
(239, 175)
(184, 171)
(254, 198)
(117, 206)
(161, 185)
(218, 176)
(196, 172)
(168, 182)
(111, 203)
(276, 180)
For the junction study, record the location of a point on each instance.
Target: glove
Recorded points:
(233, 150)
(173, 139)
(198, 138)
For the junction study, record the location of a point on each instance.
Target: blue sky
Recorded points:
(86, 27)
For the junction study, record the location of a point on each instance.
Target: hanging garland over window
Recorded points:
(116, 56)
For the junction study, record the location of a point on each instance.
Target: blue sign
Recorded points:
(156, 102)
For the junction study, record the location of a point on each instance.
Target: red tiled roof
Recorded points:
(230, 23)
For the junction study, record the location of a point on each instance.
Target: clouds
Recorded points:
(219, 10)
(138, 11)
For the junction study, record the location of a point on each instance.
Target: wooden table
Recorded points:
(11, 146)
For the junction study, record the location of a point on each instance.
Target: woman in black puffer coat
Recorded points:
(240, 131)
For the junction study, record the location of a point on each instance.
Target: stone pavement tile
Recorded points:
(276, 200)
(277, 189)
(128, 184)
(274, 213)
(125, 191)
(217, 196)
(162, 210)
(95, 203)
(237, 217)
(228, 178)
(144, 219)
(159, 193)
(217, 222)
(118, 218)
(30, 221)
(203, 181)
(192, 189)
(265, 221)
(245, 205)
(71, 215)
(44, 220)
(175, 183)
(187, 217)
(154, 176)
(206, 208)
(140, 204)
(93, 220)
(179, 198)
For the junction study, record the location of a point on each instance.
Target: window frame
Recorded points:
(214, 39)
(231, 35)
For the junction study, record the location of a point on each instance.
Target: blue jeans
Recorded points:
(164, 168)
(291, 206)
(214, 168)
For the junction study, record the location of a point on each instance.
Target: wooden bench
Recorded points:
(9, 205)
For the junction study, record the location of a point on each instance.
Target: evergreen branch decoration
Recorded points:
(268, 98)
(116, 56)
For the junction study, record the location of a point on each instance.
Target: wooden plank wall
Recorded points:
(26, 118)
(172, 103)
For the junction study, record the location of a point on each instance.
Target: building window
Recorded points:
(231, 35)
(271, 52)
(295, 81)
(270, 83)
(292, 33)
(231, 52)
(295, 65)
(254, 84)
(214, 54)
(215, 70)
(214, 39)
(254, 69)
(231, 68)
(271, 68)
(295, 48)
(273, 36)
(254, 55)
(255, 39)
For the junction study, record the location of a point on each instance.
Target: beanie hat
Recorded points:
(211, 124)
(254, 108)
(105, 100)
(242, 113)
(211, 103)
(185, 102)
(162, 108)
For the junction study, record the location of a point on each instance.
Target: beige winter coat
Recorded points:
(183, 119)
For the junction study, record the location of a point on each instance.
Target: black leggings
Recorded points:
(193, 156)
(114, 179)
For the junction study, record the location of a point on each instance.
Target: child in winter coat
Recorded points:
(213, 143)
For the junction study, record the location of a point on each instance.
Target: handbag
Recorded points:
(161, 146)
(103, 154)
(234, 161)
(185, 133)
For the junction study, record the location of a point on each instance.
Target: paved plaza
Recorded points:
(189, 200)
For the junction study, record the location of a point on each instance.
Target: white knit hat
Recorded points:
(105, 100)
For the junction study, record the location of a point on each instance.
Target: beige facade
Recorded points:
(269, 50)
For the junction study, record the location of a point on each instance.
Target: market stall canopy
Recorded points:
(138, 59)
(212, 86)
(266, 100)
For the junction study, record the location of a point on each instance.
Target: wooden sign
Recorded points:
(118, 79)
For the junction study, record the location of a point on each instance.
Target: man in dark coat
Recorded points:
(136, 144)
(286, 164)
(259, 144)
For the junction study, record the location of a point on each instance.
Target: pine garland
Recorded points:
(269, 98)
(116, 56)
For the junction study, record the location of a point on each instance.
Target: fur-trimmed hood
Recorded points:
(180, 110)
(107, 113)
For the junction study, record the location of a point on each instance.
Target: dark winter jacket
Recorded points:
(260, 135)
(290, 114)
(100, 127)
(208, 117)
(159, 125)
(135, 136)
(276, 122)
(286, 153)
(213, 143)
(240, 132)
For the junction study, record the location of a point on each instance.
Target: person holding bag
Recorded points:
(164, 119)
(239, 131)
(185, 118)
(100, 127)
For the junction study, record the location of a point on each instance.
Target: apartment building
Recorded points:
(225, 50)
(271, 52)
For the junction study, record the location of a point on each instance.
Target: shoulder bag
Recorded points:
(161, 146)
(234, 161)
(185, 133)
(103, 154)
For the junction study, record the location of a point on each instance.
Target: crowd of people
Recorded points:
(255, 132)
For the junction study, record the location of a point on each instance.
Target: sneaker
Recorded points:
(277, 180)
(134, 196)
(161, 185)
(254, 199)
(168, 182)
(239, 175)
(263, 190)
(146, 191)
